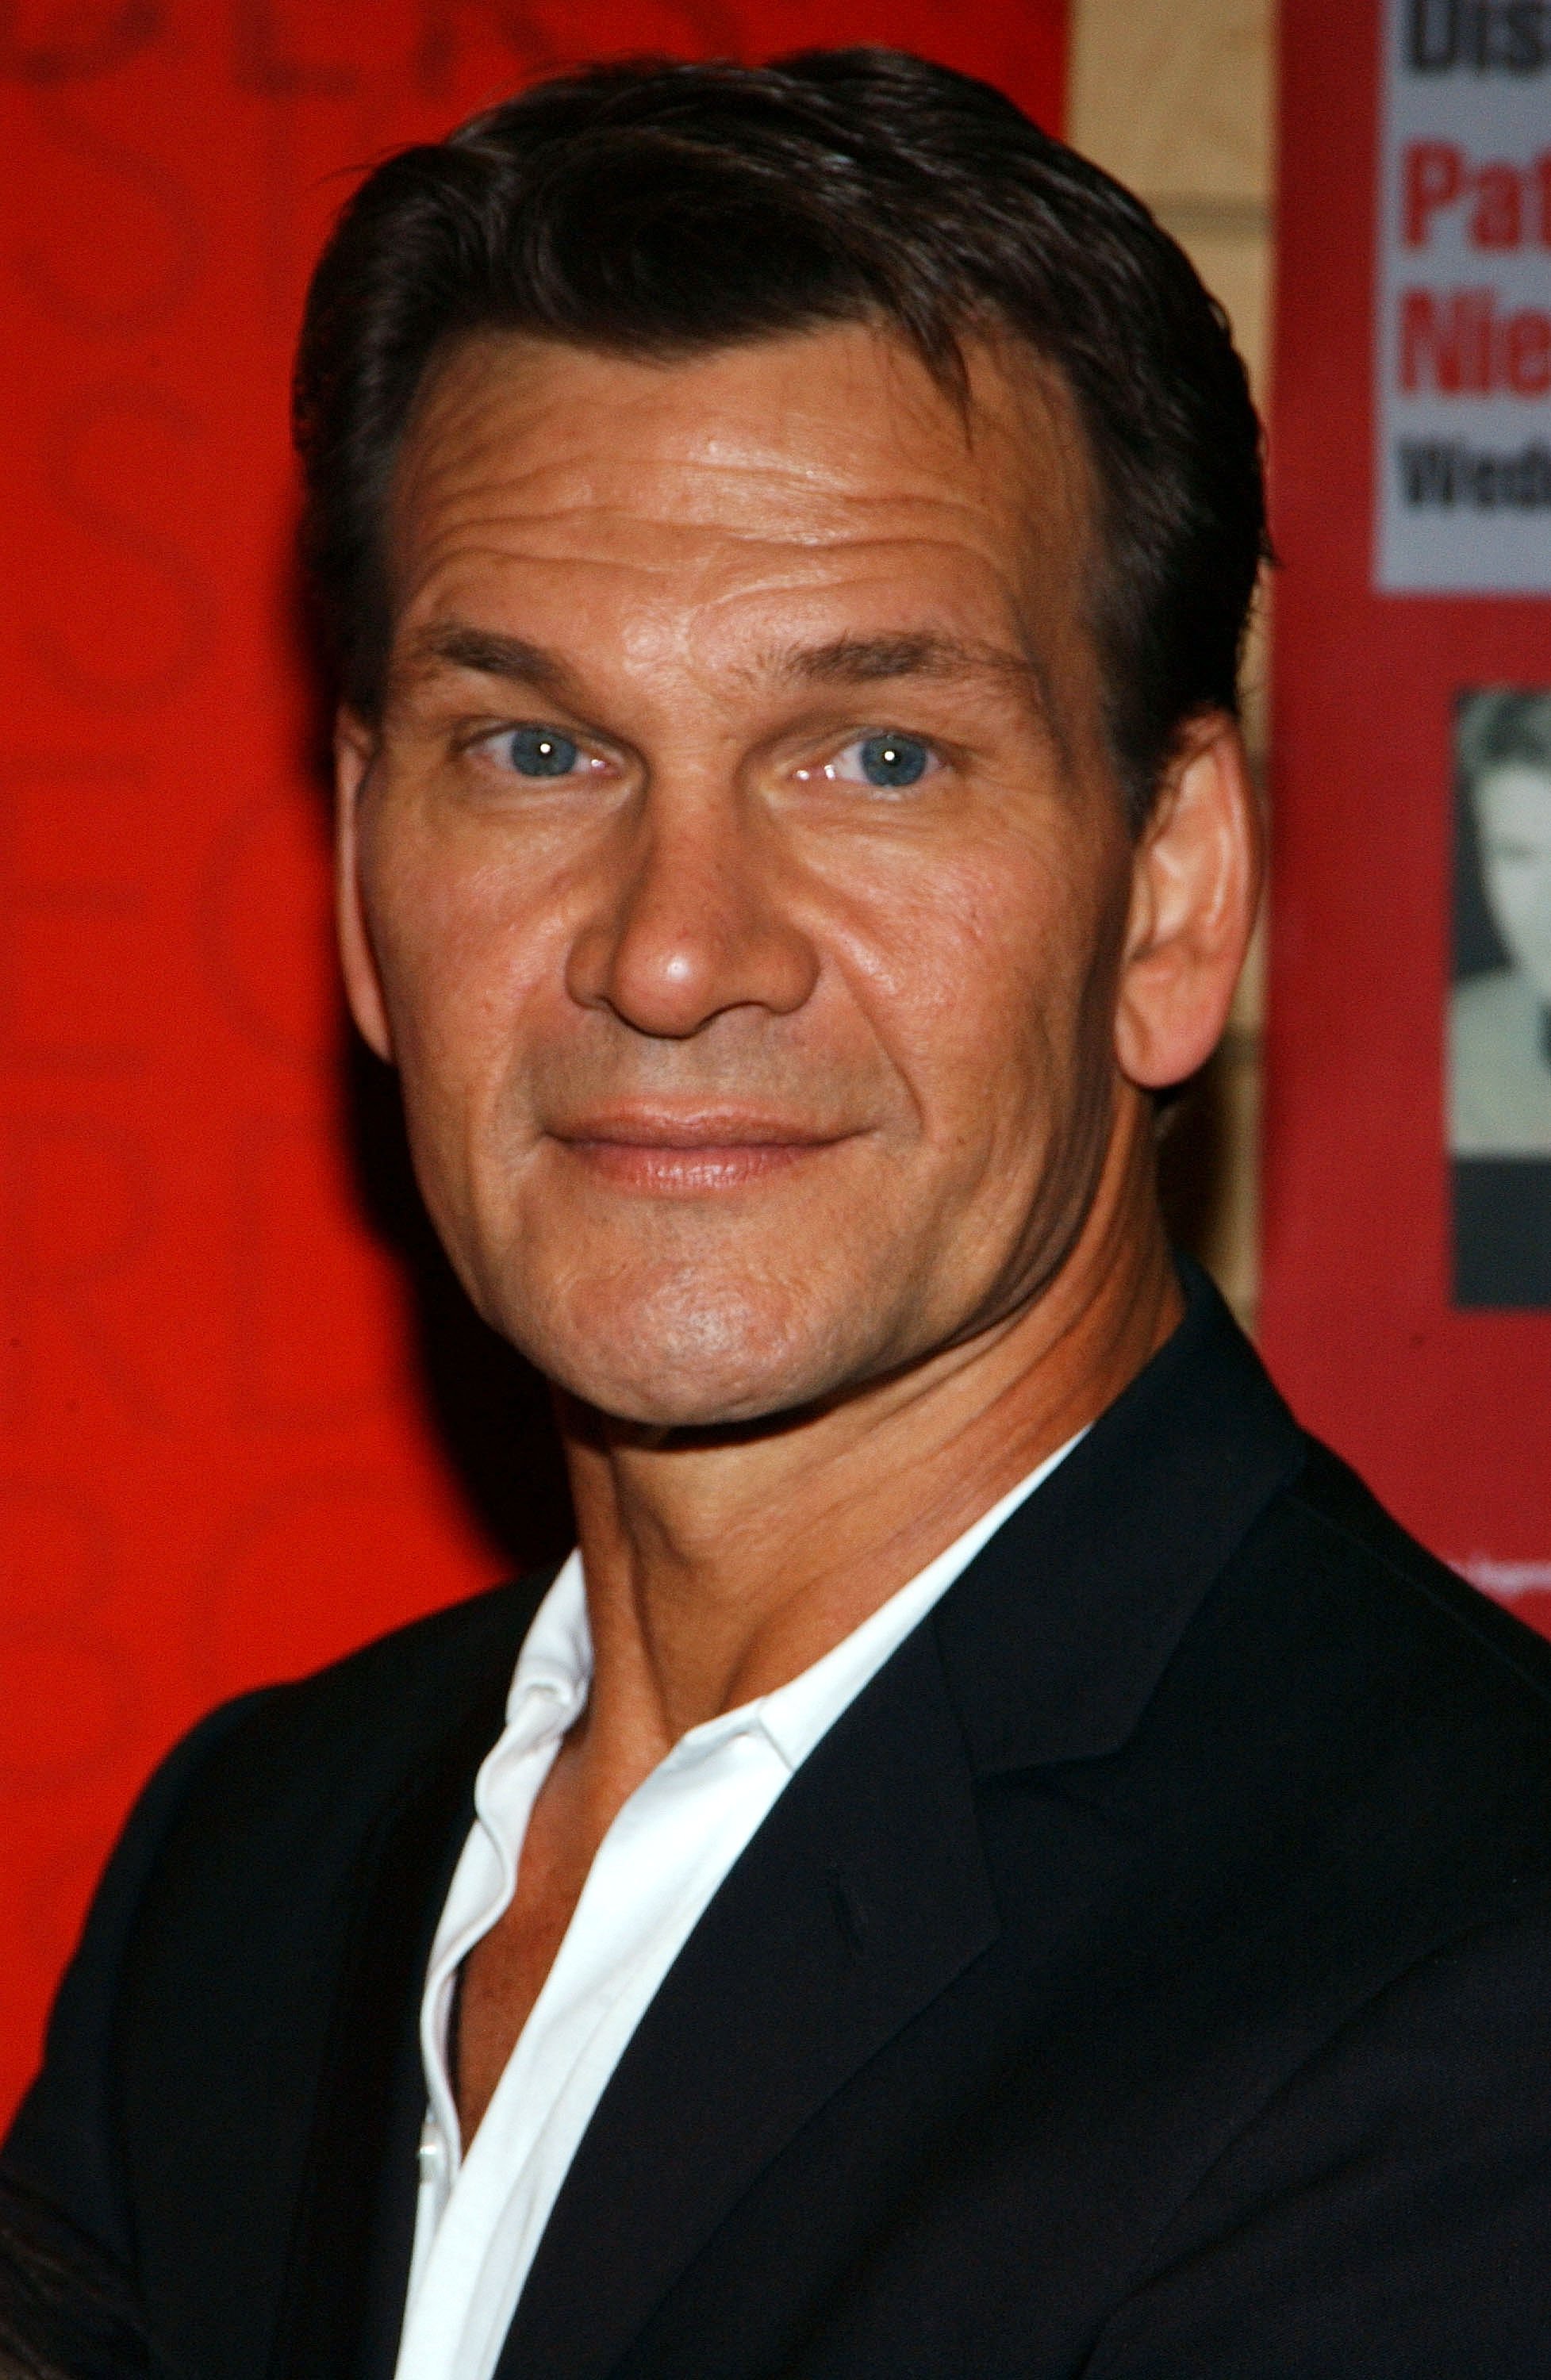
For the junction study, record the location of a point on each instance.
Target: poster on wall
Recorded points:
(1406, 1301)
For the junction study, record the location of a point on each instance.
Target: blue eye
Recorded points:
(541, 752)
(892, 760)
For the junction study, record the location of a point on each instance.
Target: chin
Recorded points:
(681, 1358)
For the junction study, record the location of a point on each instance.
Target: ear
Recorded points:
(355, 748)
(1195, 889)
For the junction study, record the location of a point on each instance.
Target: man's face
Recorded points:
(741, 875)
(1513, 804)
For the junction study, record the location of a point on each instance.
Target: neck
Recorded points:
(719, 1566)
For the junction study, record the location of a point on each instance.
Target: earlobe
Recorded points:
(1195, 890)
(353, 750)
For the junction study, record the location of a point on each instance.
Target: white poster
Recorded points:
(1463, 341)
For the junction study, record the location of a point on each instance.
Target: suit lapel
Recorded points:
(860, 1900)
(865, 1895)
(342, 2308)
(1057, 1635)
(342, 2302)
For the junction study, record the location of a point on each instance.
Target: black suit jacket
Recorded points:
(1148, 1974)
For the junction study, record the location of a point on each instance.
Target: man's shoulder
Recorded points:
(412, 1671)
(257, 1835)
(1390, 1689)
(1332, 1524)
(377, 1712)
(1344, 1775)
(288, 1780)
(226, 1911)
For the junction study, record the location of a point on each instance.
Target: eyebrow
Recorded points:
(454, 644)
(865, 660)
(843, 660)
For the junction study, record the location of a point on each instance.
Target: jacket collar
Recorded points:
(343, 2299)
(859, 1901)
(866, 1893)
(1056, 1636)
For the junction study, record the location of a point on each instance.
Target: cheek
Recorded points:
(450, 950)
(978, 974)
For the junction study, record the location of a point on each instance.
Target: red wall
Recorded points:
(246, 1423)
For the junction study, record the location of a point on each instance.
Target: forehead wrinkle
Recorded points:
(593, 530)
(488, 438)
(798, 497)
(517, 448)
(482, 525)
(724, 576)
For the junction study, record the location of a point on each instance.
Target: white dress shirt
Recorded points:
(480, 2218)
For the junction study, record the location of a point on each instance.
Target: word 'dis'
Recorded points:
(1487, 36)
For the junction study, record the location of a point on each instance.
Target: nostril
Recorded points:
(695, 917)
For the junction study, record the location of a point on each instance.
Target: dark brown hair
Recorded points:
(659, 209)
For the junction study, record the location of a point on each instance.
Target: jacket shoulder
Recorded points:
(401, 1686)
(1348, 1741)
(1389, 1726)
(298, 1778)
(1345, 1528)
(221, 1916)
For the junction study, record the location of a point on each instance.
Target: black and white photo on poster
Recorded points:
(1499, 1038)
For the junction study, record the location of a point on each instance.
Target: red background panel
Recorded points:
(1446, 1411)
(246, 1421)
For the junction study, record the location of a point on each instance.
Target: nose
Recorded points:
(692, 917)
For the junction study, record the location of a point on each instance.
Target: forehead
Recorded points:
(1514, 799)
(787, 475)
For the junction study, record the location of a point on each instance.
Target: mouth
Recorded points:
(690, 1152)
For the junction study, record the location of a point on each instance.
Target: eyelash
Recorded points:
(895, 749)
(545, 737)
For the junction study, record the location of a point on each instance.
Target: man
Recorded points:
(995, 1858)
